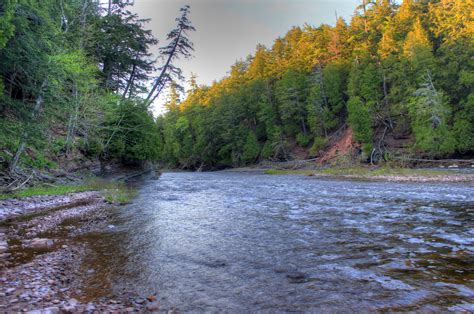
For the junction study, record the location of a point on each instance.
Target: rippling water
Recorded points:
(237, 241)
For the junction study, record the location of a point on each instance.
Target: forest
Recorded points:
(400, 76)
(77, 83)
(78, 80)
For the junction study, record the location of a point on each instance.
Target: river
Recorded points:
(229, 241)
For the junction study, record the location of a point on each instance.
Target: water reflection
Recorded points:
(233, 242)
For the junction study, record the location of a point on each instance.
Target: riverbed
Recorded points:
(235, 242)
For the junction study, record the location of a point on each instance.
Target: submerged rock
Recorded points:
(38, 243)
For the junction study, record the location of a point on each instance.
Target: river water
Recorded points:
(229, 241)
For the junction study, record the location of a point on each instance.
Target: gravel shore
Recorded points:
(40, 260)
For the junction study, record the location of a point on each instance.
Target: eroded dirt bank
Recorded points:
(41, 255)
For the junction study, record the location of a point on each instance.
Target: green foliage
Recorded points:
(58, 146)
(114, 192)
(69, 80)
(313, 80)
(319, 144)
(367, 173)
(133, 135)
(39, 161)
(6, 26)
(464, 126)
(251, 148)
(291, 94)
(87, 71)
(430, 112)
(360, 120)
(303, 139)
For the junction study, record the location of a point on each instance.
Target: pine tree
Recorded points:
(179, 46)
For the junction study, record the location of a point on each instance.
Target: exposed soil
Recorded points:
(342, 146)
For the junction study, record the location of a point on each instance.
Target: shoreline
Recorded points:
(41, 257)
(401, 175)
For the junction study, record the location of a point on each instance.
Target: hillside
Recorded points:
(398, 76)
(77, 79)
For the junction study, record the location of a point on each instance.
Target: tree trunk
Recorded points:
(130, 80)
(163, 72)
(159, 91)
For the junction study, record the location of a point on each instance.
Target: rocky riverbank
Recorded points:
(41, 259)
(402, 175)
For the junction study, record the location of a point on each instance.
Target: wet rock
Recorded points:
(73, 302)
(216, 264)
(3, 246)
(51, 310)
(153, 307)
(38, 243)
(5, 255)
(90, 307)
(297, 277)
(151, 298)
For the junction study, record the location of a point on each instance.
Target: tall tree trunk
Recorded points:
(131, 79)
(159, 80)
(159, 91)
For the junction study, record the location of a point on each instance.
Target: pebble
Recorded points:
(44, 283)
(151, 298)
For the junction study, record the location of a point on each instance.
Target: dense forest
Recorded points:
(78, 79)
(400, 76)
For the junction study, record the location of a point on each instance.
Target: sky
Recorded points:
(229, 30)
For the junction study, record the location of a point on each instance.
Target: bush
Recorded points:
(360, 120)
(251, 148)
(318, 145)
(302, 139)
(267, 150)
(39, 161)
(58, 146)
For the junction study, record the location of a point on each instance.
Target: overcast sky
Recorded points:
(228, 30)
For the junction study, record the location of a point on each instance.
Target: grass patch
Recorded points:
(120, 195)
(114, 192)
(45, 190)
(364, 172)
(288, 171)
